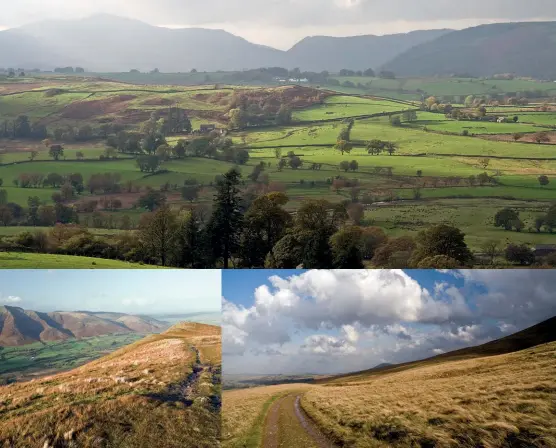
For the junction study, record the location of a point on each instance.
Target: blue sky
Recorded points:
(239, 286)
(126, 291)
(342, 321)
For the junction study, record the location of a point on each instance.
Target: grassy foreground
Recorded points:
(161, 391)
(505, 400)
(498, 401)
(13, 260)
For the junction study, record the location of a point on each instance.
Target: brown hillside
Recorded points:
(20, 327)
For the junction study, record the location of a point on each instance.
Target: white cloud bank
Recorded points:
(367, 317)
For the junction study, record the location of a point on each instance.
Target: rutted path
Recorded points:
(189, 390)
(288, 425)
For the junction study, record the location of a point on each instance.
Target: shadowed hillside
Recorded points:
(161, 391)
(356, 53)
(109, 43)
(524, 49)
(20, 327)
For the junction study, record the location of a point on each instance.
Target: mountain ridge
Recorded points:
(21, 327)
(126, 44)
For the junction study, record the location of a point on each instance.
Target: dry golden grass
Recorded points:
(122, 400)
(244, 411)
(501, 401)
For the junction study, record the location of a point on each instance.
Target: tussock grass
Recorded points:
(500, 401)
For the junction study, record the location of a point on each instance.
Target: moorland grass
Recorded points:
(496, 401)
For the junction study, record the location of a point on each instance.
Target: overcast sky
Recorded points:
(345, 321)
(124, 291)
(280, 23)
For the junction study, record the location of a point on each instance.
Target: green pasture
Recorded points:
(60, 355)
(539, 118)
(451, 86)
(13, 260)
(345, 107)
(415, 141)
(126, 168)
(474, 216)
(497, 191)
(294, 136)
(15, 230)
(20, 195)
(476, 127)
(89, 151)
(36, 104)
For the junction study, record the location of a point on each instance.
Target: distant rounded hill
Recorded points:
(21, 327)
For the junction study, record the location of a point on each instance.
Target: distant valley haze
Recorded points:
(112, 291)
(282, 24)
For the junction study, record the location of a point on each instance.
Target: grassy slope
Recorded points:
(475, 217)
(11, 260)
(504, 400)
(124, 399)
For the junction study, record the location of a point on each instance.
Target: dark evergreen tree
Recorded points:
(226, 223)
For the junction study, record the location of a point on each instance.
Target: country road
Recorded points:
(287, 425)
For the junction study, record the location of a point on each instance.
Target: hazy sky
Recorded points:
(345, 321)
(125, 291)
(281, 23)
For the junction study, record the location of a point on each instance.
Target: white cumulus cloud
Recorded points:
(9, 300)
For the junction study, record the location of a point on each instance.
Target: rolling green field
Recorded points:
(475, 217)
(60, 355)
(449, 86)
(345, 107)
(14, 230)
(432, 155)
(439, 122)
(12, 260)
(543, 119)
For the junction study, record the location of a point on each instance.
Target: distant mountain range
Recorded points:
(21, 327)
(354, 53)
(105, 43)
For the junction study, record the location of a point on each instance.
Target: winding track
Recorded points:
(287, 425)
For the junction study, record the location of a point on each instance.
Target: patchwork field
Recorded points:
(51, 357)
(432, 160)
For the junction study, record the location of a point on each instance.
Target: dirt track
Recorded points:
(287, 425)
